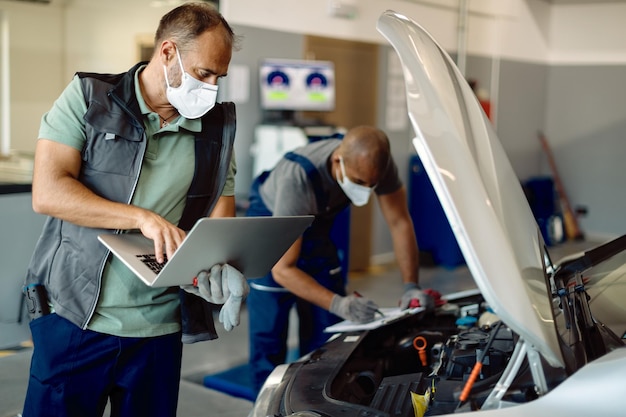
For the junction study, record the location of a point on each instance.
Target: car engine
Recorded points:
(458, 358)
(419, 358)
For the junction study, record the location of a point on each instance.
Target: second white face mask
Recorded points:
(192, 98)
(358, 194)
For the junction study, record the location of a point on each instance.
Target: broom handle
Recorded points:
(572, 230)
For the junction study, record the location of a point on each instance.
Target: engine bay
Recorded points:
(458, 358)
(430, 358)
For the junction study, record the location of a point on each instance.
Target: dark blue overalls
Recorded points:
(269, 303)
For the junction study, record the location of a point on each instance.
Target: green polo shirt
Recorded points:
(126, 306)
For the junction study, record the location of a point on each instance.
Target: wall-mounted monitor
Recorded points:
(297, 85)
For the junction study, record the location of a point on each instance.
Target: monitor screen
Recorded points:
(298, 85)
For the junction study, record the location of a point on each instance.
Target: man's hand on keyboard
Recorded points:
(222, 284)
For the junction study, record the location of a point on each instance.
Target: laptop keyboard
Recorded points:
(150, 260)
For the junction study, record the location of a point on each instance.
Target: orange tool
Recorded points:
(420, 343)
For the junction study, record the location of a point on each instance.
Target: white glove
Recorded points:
(353, 308)
(210, 285)
(238, 287)
(412, 291)
(222, 284)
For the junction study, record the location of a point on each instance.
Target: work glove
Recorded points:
(353, 308)
(222, 284)
(210, 285)
(413, 296)
(238, 287)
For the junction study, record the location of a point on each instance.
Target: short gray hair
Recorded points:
(186, 22)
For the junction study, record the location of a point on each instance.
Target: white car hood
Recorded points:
(476, 185)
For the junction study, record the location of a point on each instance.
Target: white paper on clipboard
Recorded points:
(391, 314)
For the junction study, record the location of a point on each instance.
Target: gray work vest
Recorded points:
(68, 259)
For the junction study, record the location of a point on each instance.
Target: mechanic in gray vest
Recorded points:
(146, 150)
(322, 178)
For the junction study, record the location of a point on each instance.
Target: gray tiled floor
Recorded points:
(381, 283)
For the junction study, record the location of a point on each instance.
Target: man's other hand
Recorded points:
(353, 308)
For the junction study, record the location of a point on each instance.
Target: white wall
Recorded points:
(50, 42)
(586, 33)
(35, 62)
(587, 61)
(102, 36)
(439, 18)
(532, 30)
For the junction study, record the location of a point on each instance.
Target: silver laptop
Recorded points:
(251, 244)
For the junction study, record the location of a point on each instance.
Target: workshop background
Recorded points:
(555, 67)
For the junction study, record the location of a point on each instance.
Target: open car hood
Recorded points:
(476, 185)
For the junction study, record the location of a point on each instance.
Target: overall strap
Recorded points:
(316, 180)
(318, 253)
(314, 176)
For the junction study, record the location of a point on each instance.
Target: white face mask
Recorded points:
(193, 98)
(358, 194)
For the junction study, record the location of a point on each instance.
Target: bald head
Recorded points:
(366, 143)
(366, 152)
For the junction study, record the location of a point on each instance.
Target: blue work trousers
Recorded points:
(74, 372)
(269, 310)
(269, 304)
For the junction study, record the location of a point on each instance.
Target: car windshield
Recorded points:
(588, 282)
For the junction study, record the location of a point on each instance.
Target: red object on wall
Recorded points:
(486, 105)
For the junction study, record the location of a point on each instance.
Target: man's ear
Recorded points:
(335, 155)
(167, 51)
